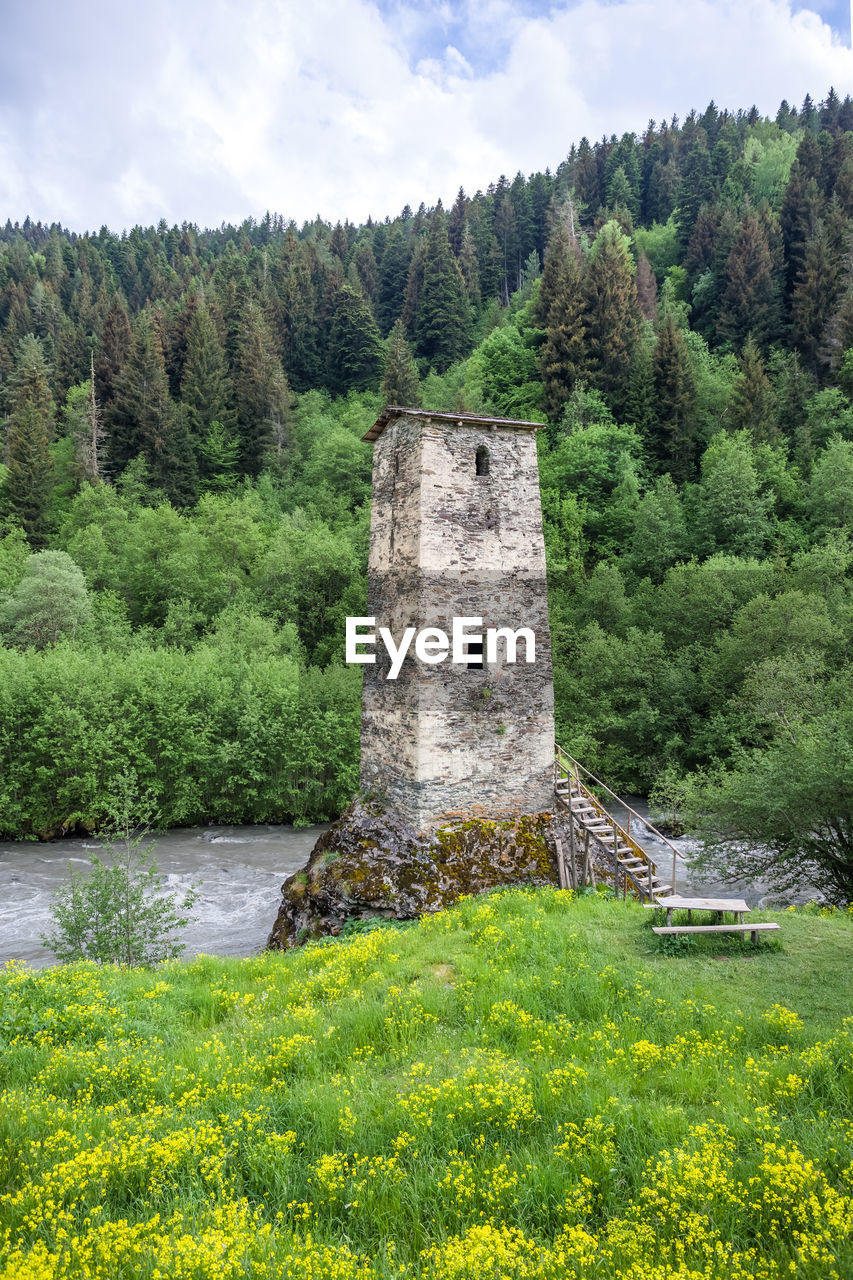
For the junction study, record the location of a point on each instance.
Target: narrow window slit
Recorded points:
(482, 461)
(476, 660)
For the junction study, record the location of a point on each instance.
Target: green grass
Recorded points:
(526, 1085)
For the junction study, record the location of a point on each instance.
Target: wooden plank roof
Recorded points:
(393, 411)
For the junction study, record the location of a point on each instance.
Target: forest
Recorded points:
(184, 493)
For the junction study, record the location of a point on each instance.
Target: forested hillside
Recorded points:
(185, 496)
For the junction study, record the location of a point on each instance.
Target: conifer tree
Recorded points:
(29, 479)
(83, 421)
(457, 221)
(561, 300)
(506, 234)
(519, 196)
(674, 385)
(469, 266)
(640, 403)
(141, 411)
(587, 178)
(792, 387)
(297, 309)
(218, 459)
(174, 337)
(696, 188)
(800, 211)
(647, 290)
(815, 293)
(205, 389)
(622, 200)
(71, 362)
(172, 460)
(754, 401)
(400, 383)
(364, 261)
(339, 243)
(393, 275)
(114, 346)
(354, 353)
(261, 392)
(146, 423)
(489, 256)
(611, 314)
(443, 323)
(750, 301)
(837, 336)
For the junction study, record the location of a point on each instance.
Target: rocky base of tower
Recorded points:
(372, 863)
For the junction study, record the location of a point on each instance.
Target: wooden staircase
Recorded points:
(593, 830)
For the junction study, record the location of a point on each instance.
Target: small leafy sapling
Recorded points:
(120, 912)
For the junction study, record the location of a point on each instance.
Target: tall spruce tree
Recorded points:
(647, 290)
(815, 293)
(674, 386)
(443, 323)
(172, 460)
(218, 459)
(470, 267)
(393, 274)
(205, 388)
(297, 310)
(114, 344)
(611, 315)
(400, 382)
(354, 353)
(30, 476)
(561, 312)
(751, 301)
(754, 400)
(457, 221)
(261, 392)
(141, 411)
(83, 422)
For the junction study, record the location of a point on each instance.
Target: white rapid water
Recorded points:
(238, 872)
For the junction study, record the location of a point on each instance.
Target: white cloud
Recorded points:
(338, 107)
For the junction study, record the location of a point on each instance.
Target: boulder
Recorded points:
(372, 863)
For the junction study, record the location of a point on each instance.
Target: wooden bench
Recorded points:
(719, 906)
(717, 928)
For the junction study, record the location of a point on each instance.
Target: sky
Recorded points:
(211, 111)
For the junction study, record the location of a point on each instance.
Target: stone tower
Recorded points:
(456, 532)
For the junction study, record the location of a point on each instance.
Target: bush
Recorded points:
(119, 912)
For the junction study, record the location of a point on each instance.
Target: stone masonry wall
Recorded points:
(445, 740)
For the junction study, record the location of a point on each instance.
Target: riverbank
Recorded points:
(239, 871)
(523, 1083)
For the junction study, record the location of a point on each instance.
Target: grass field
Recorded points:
(523, 1086)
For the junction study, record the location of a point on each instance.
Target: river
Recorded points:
(239, 872)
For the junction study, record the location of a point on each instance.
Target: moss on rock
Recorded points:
(372, 863)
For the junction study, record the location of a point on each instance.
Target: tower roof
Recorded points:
(393, 411)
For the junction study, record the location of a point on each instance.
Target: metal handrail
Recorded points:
(561, 755)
